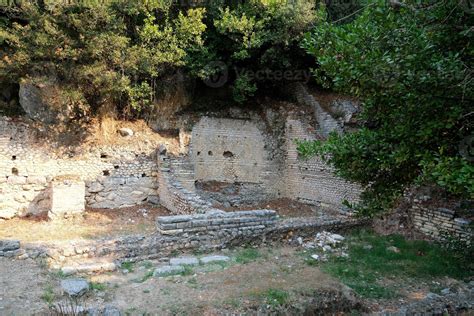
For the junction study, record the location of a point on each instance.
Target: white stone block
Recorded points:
(67, 198)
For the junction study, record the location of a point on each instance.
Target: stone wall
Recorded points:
(326, 123)
(233, 151)
(440, 223)
(216, 221)
(97, 255)
(173, 195)
(239, 161)
(312, 180)
(114, 176)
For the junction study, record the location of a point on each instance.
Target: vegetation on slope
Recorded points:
(412, 68)
(115, 55)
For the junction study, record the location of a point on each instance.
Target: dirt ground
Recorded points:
(213, 289)
(99, 223)
(207, 290)
(96, 223)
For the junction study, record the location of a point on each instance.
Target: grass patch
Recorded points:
(416, 259)
(188, 270)
(130, 266)
(58, 274)
(98, 286)
(275, 297)
(48, 295)
(247, 255)
(147, 264)
(145, 277)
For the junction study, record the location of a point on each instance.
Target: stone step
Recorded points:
(86, 266)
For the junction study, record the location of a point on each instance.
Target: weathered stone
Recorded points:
(8, 213)
(192, 261)
(67, 197)
(445, 291)
(95, 187)
(393, 249)
(9, 245)
(110, 310)
(16, 180)
(125, 132)
(74, 287)
(168, 270)
(214, 258)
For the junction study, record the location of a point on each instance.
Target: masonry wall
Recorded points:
(440, 223)
(234, 151)
(114, 177)
(312, 180)
(240, 151)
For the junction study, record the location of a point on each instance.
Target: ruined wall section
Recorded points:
(173, 195)
(236, 151)
(312, 180)
(114, 177)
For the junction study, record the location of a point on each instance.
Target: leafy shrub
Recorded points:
(113, 52)
(259, 35)
(411, 68)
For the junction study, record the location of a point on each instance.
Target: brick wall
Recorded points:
(312, 180)
(440, 223)
(114, 177)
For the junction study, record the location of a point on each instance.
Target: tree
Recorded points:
(411, 66)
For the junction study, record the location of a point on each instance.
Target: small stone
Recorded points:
(9, 245)
(315, 257)
(23, 256)
(191, 261)
(111, 310)
(368, 247)
(337, 237)
(431, 296)
(445, 291)
(74, 287)
(299, 240)
(327, 248)
(216, 258)
(393, 249)
(168, 270)
(125, 132)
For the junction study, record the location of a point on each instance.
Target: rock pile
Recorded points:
(325, 242)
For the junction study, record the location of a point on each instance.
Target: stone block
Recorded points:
(75, 287)
(214, 258)
(168, 270)
(67, 198)
(16, 180)
(9, 245)
(191, 261)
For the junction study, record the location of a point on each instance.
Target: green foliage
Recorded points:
(411, 68)
(365, 267)
(98, 286)
(453, 173)
(260, 35)
(130, 266)
(275, 297)
(247, 255)
(113, 53)
(48, 295)
(243, 88)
